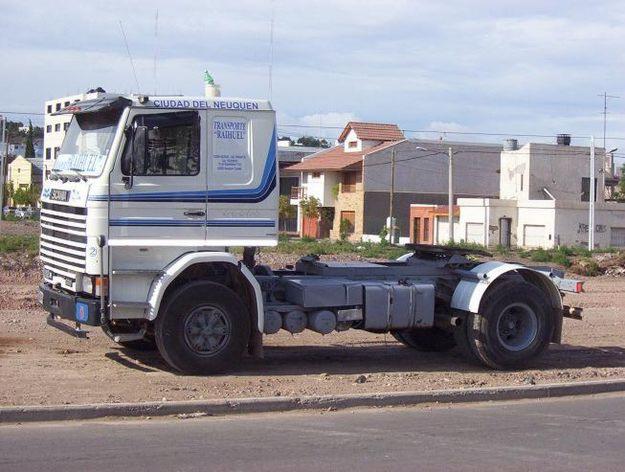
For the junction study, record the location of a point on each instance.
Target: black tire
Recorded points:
(427, 339)
(145, 344)
(186, 345)
(490, 337)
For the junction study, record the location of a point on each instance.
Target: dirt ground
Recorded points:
(40, 365)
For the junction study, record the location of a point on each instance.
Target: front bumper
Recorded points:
(70, 307)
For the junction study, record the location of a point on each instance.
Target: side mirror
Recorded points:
(139, 139)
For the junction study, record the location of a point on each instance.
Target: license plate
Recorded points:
(59, 195)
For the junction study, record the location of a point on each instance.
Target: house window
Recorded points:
(349, 181)
(49, 108)
(316, 175)
(58, 106)
(65, 126)
(48, 153)
(57, 127)
(426, 230)
(56, 151)
(49, 129)
(352, 144)
(348, 220)
(586, 189)
(172, 148)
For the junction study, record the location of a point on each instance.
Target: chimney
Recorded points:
(563, 140)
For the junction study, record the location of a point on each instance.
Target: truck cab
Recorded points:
(139, 182)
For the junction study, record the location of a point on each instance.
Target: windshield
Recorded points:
(87, 143)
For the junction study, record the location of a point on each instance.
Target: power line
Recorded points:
(468, 133)
(20, 113)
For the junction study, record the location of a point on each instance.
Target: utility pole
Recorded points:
(2, 163)
(591, 198)
(451, 195)
(391, 226)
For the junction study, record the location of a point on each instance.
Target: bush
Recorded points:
(16, 243)
(384, 241)
(344, 229)
(586, 266)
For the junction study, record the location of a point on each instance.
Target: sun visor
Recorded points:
(95, 105)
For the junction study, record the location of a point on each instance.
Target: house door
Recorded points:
(350, 221)
(617, 237)
(475, 233)
(416, 230)
(505, 232)
(534, 236)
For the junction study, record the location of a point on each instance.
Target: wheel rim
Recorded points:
(207, 330)
(517, 327)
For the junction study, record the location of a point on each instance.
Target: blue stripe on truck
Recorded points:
(226, 223)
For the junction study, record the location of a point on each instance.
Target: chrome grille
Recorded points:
(63, 239)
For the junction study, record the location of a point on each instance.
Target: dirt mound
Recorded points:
(19, 267)
(611, 264)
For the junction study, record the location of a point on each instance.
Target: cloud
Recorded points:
(327, 125)
(487, 65)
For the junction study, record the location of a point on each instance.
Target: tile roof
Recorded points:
(373, 131)
(335, 159)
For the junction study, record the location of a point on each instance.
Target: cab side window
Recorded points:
(172, 148)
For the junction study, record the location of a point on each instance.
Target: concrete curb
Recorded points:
(20, 414)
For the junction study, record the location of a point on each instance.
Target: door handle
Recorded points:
(195, 213)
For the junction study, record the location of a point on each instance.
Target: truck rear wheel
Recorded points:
(514, 326)
(426, 339)
(203, 328)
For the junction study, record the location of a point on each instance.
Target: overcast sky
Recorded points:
(490, 66)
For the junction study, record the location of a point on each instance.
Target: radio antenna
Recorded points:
(132, 64)
(270, 85)
(155, 50)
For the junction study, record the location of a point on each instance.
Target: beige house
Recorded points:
(24, 173)
(335, 176)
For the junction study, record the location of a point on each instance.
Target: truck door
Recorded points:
(242, 207)
(163, 196)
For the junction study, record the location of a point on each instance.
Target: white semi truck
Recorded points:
(147, 195)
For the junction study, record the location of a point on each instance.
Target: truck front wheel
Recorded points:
(202, 328)
(514, 325)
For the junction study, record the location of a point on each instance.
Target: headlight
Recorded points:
(87, 284)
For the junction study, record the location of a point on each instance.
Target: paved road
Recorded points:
(585, 433)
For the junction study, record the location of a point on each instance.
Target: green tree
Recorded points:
(21, 196)
(26, 196)
(311, 141)
(285, 209)
(30, 149)
(310, 207)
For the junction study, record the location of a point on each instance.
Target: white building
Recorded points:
(544, 200)
(55, 126)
